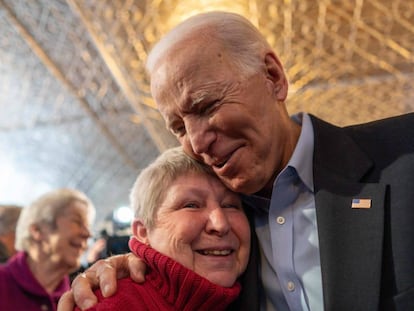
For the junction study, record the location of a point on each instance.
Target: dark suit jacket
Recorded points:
(367, 255)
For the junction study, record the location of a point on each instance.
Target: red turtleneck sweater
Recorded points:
(168, 286)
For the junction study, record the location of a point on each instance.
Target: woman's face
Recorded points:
(64, 244)
(201, 224)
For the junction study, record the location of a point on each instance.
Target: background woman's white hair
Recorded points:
(239, 37)
(45, 210)
(148, 190)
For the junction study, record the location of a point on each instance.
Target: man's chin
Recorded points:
(237, 185)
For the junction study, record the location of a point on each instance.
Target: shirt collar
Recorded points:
(302, 157)
(301, 161)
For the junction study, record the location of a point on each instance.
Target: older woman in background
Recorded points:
(51, 236)
(192, 233)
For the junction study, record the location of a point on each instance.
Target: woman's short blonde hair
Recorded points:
(151, 184)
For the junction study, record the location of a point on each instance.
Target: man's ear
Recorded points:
(140, 231)
(276, 74)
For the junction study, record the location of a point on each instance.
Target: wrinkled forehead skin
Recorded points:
(186, 69)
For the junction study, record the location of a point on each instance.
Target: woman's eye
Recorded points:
(230, 205)
(191, 205)
(77, 222)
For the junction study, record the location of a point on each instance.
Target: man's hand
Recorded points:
(103, 274)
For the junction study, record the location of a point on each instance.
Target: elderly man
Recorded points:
(333, 207)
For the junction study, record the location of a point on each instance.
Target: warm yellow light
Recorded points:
(188, 8)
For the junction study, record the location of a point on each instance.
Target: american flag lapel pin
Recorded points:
(361, 203)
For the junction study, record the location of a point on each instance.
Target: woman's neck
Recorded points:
(46, 273)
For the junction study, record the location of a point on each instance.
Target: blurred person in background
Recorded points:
(9, 214)
(51, 236)
(192, 233)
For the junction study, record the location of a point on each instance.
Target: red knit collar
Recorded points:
(181, 286)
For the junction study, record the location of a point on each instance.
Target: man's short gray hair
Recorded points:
(236, 34)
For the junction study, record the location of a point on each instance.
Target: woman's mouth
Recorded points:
(216, 252)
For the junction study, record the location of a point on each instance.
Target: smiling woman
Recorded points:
(192, 233)
(51, 236)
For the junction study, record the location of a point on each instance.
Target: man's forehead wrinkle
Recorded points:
(197, 98)
(181, 90)
(205, 90)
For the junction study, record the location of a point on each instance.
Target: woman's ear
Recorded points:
(276, 74)
(140, 231)
(35, 232)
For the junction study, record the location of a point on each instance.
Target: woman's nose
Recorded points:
(218, 222)
(86, 231)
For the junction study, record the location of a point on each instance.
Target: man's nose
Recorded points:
(200, 135)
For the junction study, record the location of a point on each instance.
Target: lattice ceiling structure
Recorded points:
(74, 98)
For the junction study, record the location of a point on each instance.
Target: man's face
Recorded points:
(237, 125)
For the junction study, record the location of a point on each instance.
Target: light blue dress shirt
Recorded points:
(287, 231)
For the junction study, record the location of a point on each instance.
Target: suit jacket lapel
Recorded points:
(350, 240)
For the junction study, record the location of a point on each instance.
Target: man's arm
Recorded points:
(103, 274)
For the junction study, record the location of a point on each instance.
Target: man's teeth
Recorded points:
(216, 252)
